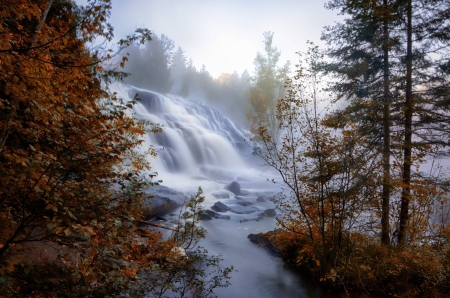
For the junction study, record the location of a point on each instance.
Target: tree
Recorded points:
(329, 186)
(268, 83)
(150, 66)
(71, 182)
(363, 69)
(178, 71)
(386, 74)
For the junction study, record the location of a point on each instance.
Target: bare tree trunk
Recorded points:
(406, 188)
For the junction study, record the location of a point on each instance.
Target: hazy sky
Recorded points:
(226, 34)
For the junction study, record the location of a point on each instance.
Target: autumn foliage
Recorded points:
(330, 222)
(71, 183)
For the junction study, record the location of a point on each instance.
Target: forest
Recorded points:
(358, 132)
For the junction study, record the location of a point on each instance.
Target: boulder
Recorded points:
(269, 213)
(221, 194)
(264, 241)
(260, 216)
(164, 200)
(209, 214)
(244, 192)
(244, 203)
(205, 216)
(220, 207)
(221, 216)
(262, 198)
(243, 209)
(234, 187)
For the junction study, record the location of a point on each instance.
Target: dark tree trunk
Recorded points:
(406, 187)
(385, 228)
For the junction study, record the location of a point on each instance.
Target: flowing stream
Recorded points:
(201, 147)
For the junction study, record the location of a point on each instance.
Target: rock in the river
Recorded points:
(269, 213)
(220, 207)
(165, 199)
(262, 198)
(244, 192)
(264, 241)
(221, 194)
(260, 216)
(206, 216)
(243, 209)
(209, 214)
(221, 216)
(234, 187)
(244, 203)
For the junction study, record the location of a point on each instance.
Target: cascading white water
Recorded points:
(195, 138)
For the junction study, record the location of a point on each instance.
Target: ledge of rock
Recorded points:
(165, 199)
(264, 241)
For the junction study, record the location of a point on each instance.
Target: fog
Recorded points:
(225, 35)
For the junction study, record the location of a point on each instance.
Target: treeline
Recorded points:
(157, 66)
(72, 185)
(369, 205)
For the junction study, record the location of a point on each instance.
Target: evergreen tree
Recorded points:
(268, 87)
(387, 61)
(178, 71)
(150, 65)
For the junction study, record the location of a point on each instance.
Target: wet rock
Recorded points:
(262, 198)
(221, 216)
(220, 207)
(221, 194)
(244, 203)
(164, 200)
(269, 213)
(243, 209)
(234, 187)
(244, 192)
(260, 216)
(209, 214)
(205, 216)
(264, 241)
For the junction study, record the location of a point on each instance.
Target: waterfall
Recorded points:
(197, 141)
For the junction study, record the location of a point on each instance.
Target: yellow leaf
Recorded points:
(317, 263)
